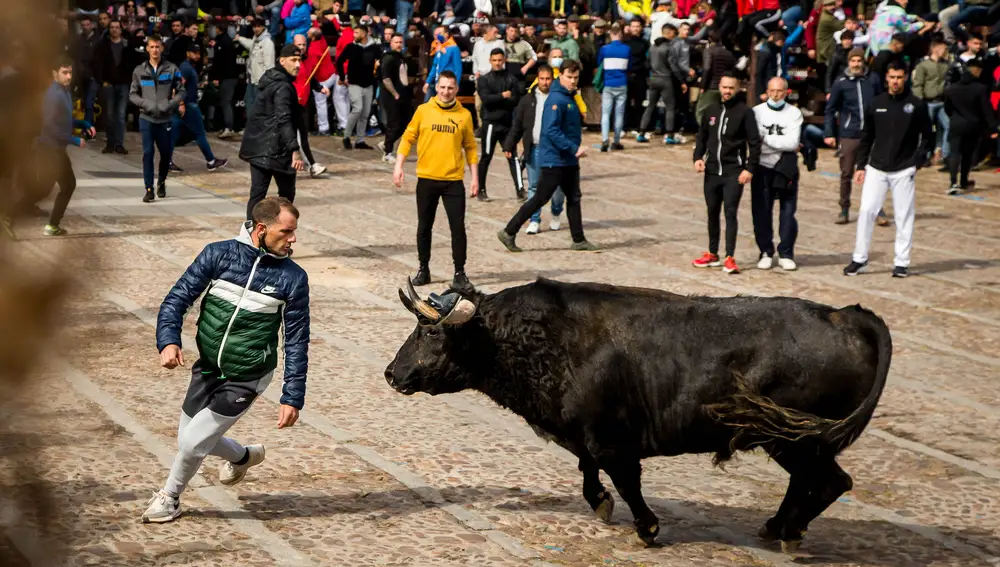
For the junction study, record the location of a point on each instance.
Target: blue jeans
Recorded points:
(158, 134)
(534, 172)
(404, 11)
(249, 97)
(195, 123)
(941, 123)
(274, 26)
(613, 96)
(968, 14)
(115, 101)
(791, 18)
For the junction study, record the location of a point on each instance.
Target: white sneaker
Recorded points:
(316, 170)
(225, 134)
(765, 263)
(389, 158)
(161, 508)
(680, 138)
(532, 228)
(230, 474)
(381, 146)
(556, 223)
(787, 264)
(742, 63)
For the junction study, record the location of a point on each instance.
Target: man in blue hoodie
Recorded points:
(57, 133)
(559, 153)
(447, 57)
(615, 59)
(298, 22)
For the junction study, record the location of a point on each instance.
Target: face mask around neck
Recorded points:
(775, 104)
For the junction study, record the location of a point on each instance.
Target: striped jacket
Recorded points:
(615, 58)
(250, 294)
(157, 92)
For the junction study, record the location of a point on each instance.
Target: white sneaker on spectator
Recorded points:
(225, 134)
(381, 146)
(787, 264)
(556, 223)
(742, 63)
(765, 263)
(316, 170)
(389, 158)
(532, 228)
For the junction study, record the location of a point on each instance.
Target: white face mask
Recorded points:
(555, 62)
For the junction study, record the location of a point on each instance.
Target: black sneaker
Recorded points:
(461, 283)
(604, 147)
(174, 169)
(161, 190)
(149, 196)
(508, 241)
(955, 189)
(217, 164)
(423, 276)
(120, 150)
(855, 268)
(585, 246)
(108, 150)
(347, 143)
(900, 272)
(362, 146)
(809, 158)
(482, 196)
(522, 195)
(844, 217)
(617, 146)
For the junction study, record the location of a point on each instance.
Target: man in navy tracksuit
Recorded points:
(192, 119)
(615, 59)
(559, 153)
(57, 133)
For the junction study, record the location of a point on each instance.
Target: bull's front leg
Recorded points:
(627, 476)
(600, 500)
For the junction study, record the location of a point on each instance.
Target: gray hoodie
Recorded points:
(659, 64)
(157, 92)
(261, 57)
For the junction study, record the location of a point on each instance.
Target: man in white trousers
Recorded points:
(252, 289)
(896, 141)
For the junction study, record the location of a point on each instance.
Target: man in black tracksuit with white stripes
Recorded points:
(500, 93)
(728, 130)
(895, 143)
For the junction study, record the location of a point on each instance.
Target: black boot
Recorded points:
(461, 283)
(423, 276)
(148, 197)
(161, 190)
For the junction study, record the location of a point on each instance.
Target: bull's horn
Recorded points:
(462, 312)
(421, 305)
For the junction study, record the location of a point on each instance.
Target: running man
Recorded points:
(192, 119)
(442, 130)
(253, 289)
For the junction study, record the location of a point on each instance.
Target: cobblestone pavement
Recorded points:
(370, 477)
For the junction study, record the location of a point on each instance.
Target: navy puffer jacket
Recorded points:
(249, 294)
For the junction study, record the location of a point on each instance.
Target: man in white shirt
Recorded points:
(481, 49)
(777, 177)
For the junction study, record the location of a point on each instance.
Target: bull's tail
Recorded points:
(758, 421)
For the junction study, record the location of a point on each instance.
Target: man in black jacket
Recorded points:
(360, 57)
(500, 93)
(728, 130)
(638, 73)
(769, 63)
(395, 96)
(968, 108)
(224, 75)
(895, 143)
(83, 55)
(270, 143)
(527, 128)
(114, 60)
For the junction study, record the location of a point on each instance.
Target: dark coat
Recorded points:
(522, 127)
(967, 104)
(270, 139)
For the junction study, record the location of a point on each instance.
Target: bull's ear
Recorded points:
(407, 303)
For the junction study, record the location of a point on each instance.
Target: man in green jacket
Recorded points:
(563, 40)
(928, 85)
(828, 25)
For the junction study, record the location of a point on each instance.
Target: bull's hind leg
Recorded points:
(627, 476)
(600, 500)
(815, 484)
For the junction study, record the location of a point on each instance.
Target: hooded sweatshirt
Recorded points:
(442, 134)
(448, 56)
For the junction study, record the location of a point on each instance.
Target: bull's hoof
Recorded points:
(765, 534)
(606, 508)
(647, 535)
(791, 547)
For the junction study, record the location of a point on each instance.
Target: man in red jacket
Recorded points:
(317, 65)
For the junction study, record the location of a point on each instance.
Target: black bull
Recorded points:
(617, 374)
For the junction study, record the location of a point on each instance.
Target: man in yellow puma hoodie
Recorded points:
(442, 130)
